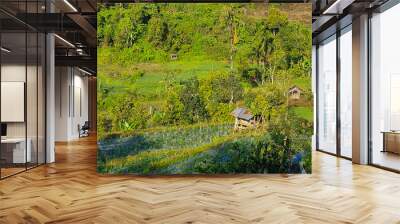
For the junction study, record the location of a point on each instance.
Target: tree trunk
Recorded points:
(264, 69)
(271, 73)
(231, 58)
(231, 31)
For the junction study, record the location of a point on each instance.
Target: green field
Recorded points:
(180, 70)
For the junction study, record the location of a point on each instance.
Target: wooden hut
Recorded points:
(174, 56)
(243, 118)
(294, 93)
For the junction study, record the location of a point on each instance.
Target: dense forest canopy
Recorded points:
(153, 31)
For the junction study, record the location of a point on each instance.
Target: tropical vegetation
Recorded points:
(169, 76)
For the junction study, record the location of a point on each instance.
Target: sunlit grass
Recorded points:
(151, 81)
(303, 112)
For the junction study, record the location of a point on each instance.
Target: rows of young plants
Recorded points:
(251, 152)
(155, 161)
(160, 138)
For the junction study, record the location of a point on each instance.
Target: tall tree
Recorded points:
(231, 21)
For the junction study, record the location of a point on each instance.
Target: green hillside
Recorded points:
(180, 65)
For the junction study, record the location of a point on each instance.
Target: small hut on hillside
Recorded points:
(244, 118)
(174, 56)
(294, 93)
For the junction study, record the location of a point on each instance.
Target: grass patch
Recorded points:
(151, 81)
(303, 82)
(303, 112)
